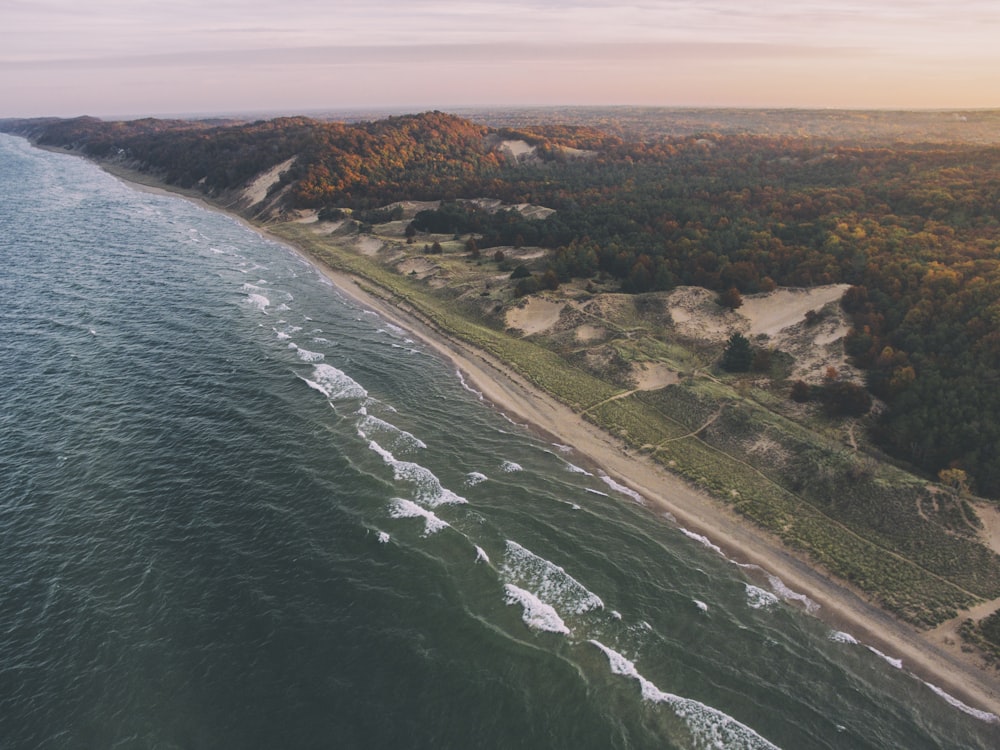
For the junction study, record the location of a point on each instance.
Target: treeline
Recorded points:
(915, 229)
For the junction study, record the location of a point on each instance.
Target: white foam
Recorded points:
(710, 727)
(549, 581)
(258, 302)
(408, 509)
(703, 540)
(778, 587)
(627, 491)
(305, 355)
(986, 716)
(509, 467)
(370, 425)
(897, 663)
(596, 492)
(563, 448)
(537, 615)
(383, 537)
(474, 477)
(282, 336)
(758, 598)
(466, 386)
(481, 555)
(428, 487)
(700, 605)
(839, 636)
(574, 469)
(335, 384)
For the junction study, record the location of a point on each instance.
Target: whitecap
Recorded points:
(335, 384)
(563, 448)
(703, 540)
(428, 486)
(897, 663)
(509, 467)
(550, 582)
(700, 605)
(711, 727)
(305, 355)
(536, 614)
(466, 386)
(839, 636)
(758, 598)
(258, 302)
(986, 716)
(481, 555)
(408, 509)
(596, 492)
(474, 477)
(383, 537)
(627, 491)
(778, 587)
(370, 425)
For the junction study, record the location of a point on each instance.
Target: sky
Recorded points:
(160, 57)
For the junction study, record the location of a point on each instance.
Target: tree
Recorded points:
(472, 248)
(800, 392)
(410, 232)
(738, 355)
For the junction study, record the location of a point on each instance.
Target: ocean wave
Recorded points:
(466, 386)
(481, 555)
(703, 540)
(951, 700)
(335, 384)
(550, 582)
(258, 302)
(408, 509)
(758, 598)
(305, 355)
(536, 614)
(839, 636)
(428, 486)
(621, 488)
(370, 425)
(474, 477)
(509, 467)
(711, 727)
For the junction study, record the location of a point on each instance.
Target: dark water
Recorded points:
(236, 511)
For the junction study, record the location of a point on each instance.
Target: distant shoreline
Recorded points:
(692, 509)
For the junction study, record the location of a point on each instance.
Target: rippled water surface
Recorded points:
(237, 511)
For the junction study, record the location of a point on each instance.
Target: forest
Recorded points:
(913, 226)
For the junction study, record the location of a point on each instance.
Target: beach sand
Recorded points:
(924, 656)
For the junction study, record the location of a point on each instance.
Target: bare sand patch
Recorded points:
(256, 191)
(697, 315)
(774, 311)
(368, 245)
(537, 315)
(587, 333)
(517, 149)
(651, 376)
(989, 514)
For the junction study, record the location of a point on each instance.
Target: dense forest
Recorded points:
(913, 227)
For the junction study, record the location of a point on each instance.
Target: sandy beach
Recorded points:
(944, 666)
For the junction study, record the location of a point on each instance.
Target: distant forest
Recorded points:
(913, 227)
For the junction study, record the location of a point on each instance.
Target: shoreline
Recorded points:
(667, 495)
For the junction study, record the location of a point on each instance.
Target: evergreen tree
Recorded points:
(738, 355)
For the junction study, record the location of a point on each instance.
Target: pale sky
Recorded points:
(139, 57)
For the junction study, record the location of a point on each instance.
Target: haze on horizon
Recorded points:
(141, 57)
